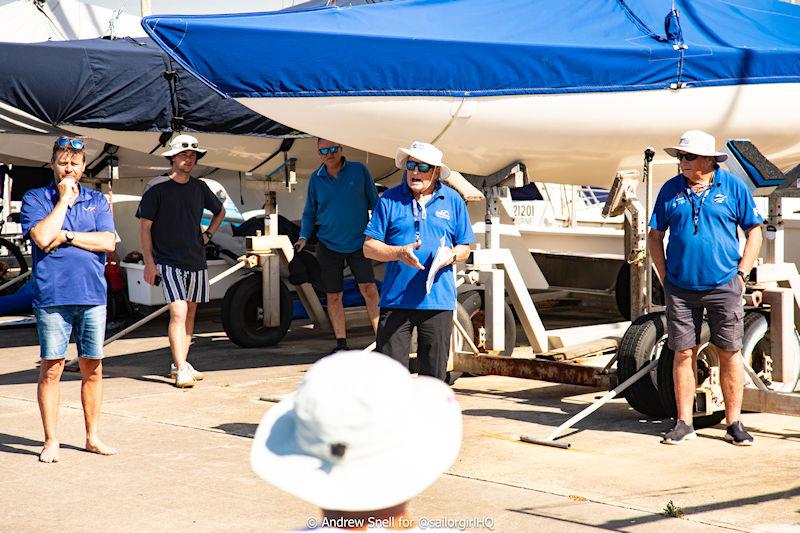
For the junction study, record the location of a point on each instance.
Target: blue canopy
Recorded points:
(123, 84)
(486, 48)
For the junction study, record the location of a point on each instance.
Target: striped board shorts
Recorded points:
(179, 284)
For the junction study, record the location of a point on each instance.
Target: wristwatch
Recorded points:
(745, 277)
(69, 236)
(208, 234)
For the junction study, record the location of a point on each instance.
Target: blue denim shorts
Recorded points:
(55, 325)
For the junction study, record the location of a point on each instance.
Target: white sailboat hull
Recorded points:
(562, 138)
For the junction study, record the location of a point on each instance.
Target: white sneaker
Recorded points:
(198, 376)
(183, 378)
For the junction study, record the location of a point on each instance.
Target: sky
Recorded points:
(192, 6)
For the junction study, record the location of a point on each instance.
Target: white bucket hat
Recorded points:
(425, 152)
(182, 143)
(699, 143)
(359, 434)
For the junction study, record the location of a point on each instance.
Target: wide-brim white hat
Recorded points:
(699, 143)
(182, 143)
(425, 152)
(359, 434)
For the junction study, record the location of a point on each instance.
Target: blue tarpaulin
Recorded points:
(485, 48)
(124, 84)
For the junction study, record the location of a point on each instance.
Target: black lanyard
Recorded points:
(696, 211)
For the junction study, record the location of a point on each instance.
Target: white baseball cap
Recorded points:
(699, 143)
(359, 434)
(182, 143)
(425, 152)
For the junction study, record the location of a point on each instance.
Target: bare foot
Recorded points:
(97, 446)
(50, 452)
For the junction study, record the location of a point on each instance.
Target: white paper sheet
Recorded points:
(443, 256)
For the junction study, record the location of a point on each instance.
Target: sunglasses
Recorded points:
(188, 145)
(332, 150)
(688, 157)
(71, 144)
(419, 167)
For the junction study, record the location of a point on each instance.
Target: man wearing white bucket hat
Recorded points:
(408, 228)
(702, 270)
(174, 247)
(359, 438)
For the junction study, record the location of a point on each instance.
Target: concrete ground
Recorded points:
(184, 454)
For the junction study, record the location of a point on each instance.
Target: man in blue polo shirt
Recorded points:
(72, 229)
(408, 226)
(702, 208)
(340, 195)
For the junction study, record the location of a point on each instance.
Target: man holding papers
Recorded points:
(420, 228)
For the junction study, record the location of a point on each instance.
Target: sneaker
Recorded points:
(183, 378)
(737, 435)
(679, 433)
(198, 376)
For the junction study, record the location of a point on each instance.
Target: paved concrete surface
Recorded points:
(183, 461)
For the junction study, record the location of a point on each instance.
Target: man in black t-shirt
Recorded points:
(173, 246)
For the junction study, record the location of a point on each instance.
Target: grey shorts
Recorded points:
(724, 312)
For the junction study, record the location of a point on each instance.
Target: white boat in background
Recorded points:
(576, 91)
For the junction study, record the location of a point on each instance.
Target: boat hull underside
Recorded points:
(562, 138)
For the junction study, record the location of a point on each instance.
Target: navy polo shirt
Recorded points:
(709, 257)
(393, 223)
(340, 206)
(68, 275)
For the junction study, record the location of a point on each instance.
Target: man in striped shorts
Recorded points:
(173, 246)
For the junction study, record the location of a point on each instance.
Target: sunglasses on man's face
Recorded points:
(688, 157)
(66, 142)
(332, 150)
(419, 167)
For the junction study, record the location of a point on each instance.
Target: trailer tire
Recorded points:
(622, 291)
(666, 383)
(241, 318)
(472, 301)
(640, 344)
(15, 252)
(452, 376)
(755, 346)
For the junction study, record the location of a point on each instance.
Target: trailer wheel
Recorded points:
(242, 314)
(756, 351)
(472, 301)
(463, 319)
(15, 252)
(640, 344)
(622, 291)
(706, 359)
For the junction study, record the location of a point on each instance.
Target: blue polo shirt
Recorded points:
(393, 222)
(68, 275)
(340, 206)
(709, 257)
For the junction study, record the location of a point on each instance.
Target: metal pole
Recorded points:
(549, 440)
(649, 153)
(146, 8)
(163, 309)
(15, 280)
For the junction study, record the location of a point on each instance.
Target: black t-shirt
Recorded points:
(176, 210)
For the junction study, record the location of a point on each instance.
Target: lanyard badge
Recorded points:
(418, 209)
(696, 211)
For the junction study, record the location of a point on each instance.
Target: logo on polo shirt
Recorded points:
(680, 198)
(720, 198)
(93, 209)
(443, 213)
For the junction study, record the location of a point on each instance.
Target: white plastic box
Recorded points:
(140, 292)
